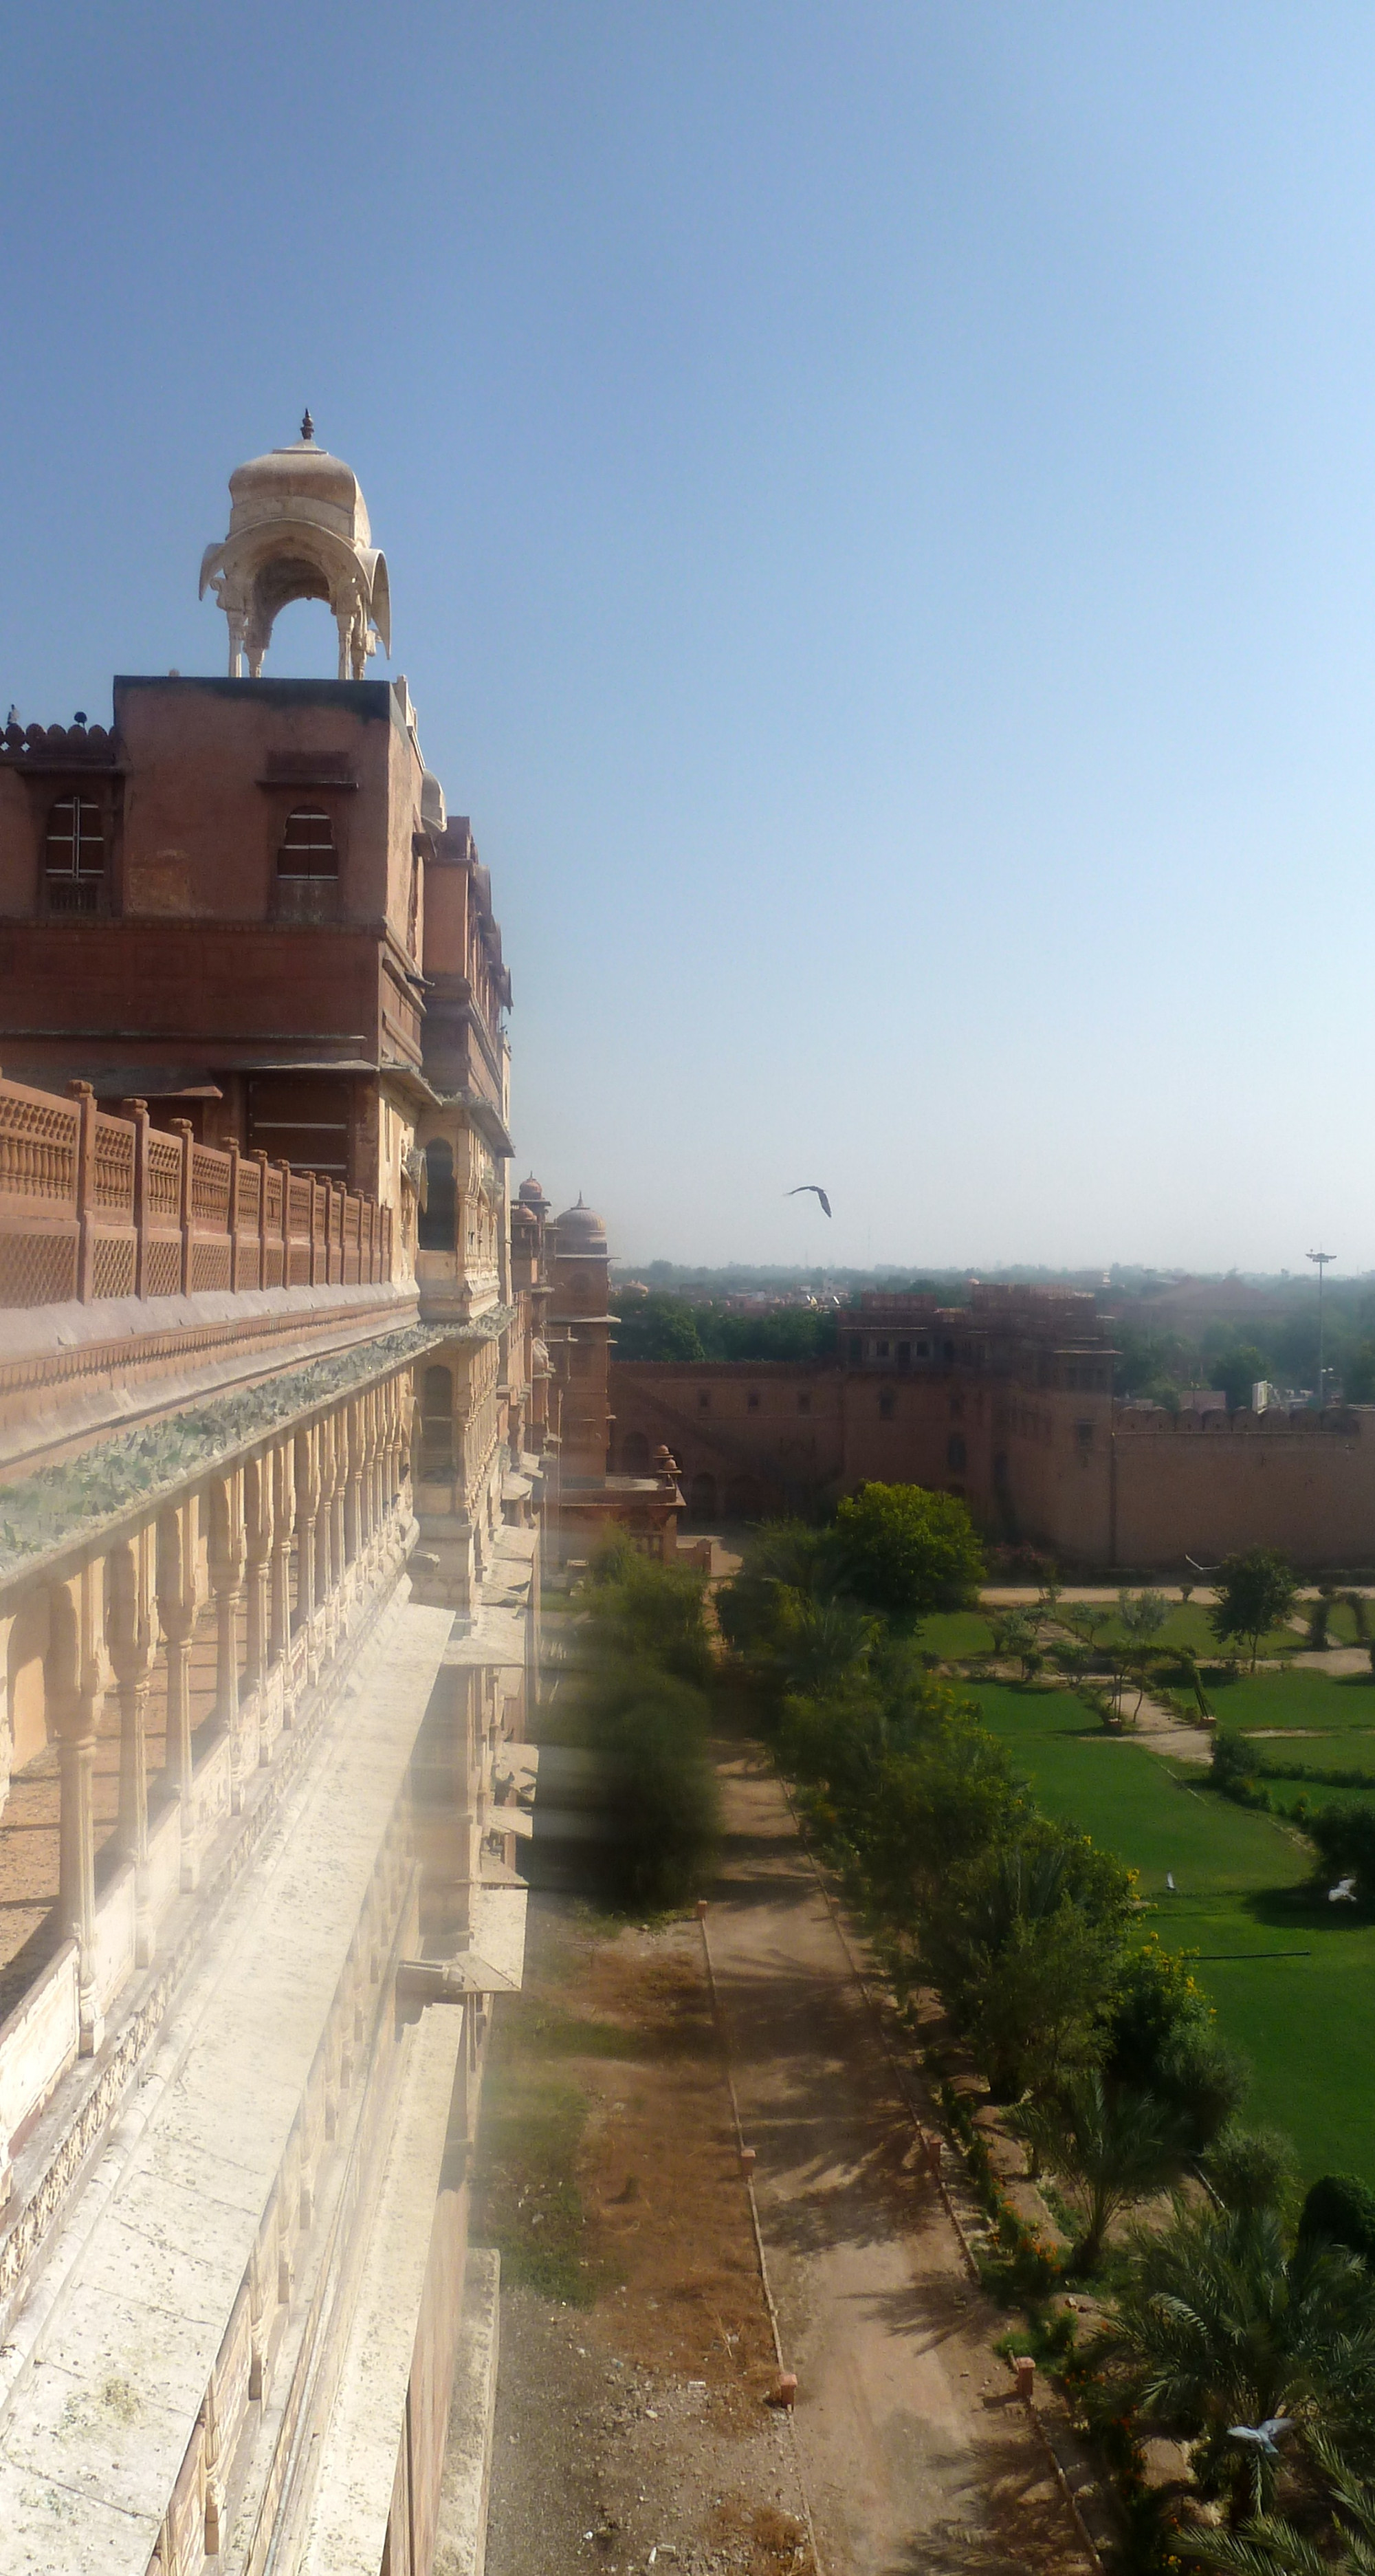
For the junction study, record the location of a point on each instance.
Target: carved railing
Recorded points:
(96, 1205)
(179, 1655)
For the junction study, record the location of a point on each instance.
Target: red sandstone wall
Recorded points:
(759, 1458)
(1309, 1492)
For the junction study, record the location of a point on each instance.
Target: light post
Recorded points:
(1322, 1259)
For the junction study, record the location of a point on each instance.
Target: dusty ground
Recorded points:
(636, 2357)
(636, 2353)
(914, 2450)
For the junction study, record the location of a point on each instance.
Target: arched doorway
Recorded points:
(702, 1497)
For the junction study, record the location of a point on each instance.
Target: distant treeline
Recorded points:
(662, 1327)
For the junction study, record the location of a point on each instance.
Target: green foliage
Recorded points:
(1268, 2545)
(1236, 1766)
(641, 1657)
(1236, 1371)
(1217, 2324)
(1112, 2145)
(906, 1551)
(1253, 2169)
(1340, 2210)
(1142, 1615)
(656, 1786)
(656, 1325)
(1255, 1591)
(637, 1609)
(1345, 1839)
(1162, 2039)
(785, 1563)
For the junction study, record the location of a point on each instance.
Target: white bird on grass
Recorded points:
(1344, 1893)
(1169, 1882)
(1261, 2437)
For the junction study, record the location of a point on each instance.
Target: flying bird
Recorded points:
(1344, 1893)
(816, 1188)
(1261, 2437)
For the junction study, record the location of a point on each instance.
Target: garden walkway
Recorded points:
(915, 2453)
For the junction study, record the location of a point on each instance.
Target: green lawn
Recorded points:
(1341, 1622)
(1190, 1624)
(1293, 1980)
(1325, 1702)
(953, 1633)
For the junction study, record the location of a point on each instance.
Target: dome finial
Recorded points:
(307, 425)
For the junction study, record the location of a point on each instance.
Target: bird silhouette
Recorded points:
(1344, 1893)
(1261, 2437)
(816, 1188)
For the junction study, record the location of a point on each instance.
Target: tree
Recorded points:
(1112, 2145)
(907, 1551)
(1253, 2169)
(1256, 1591)
(1218, 2324)
(655, 1327)
(1269, 2546)
(1034, 2007)
(1236, 1372)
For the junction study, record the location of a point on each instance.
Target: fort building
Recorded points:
(1008, 1403)
(278, 1426)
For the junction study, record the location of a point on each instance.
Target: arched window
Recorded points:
(955, 1455)
(308, 845)
(439, 1215)
(74, 855)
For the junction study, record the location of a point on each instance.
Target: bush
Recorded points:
(1340, 2210)
(637, 1609)
(656, 1784)
(1162, 2039)
(906, 1551)
(1236, 1769)
(1345, 1838)
(1253, 2169)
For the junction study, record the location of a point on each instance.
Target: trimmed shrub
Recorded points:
(1340, 2210)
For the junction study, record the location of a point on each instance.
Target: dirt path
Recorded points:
(914, 2451)
(631, 2430)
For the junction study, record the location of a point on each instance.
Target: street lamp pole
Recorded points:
(1321, 1258)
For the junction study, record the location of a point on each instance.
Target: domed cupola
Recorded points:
(298, 529)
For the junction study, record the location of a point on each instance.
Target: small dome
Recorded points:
(303, 482)
(531, 1191)
(581, 1229)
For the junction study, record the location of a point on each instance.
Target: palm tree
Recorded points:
(1269, 2546)
(1220, 2325)
(1112, 2145)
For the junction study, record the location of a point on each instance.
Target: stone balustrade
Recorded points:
(94, 1205)
(162, 1678)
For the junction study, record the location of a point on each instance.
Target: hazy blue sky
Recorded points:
(881, 512)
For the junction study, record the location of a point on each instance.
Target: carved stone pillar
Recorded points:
(283, 1518)
(129, 1635)
(258, 1533)
(307, 1465)
(353, 1490)
(178, 1608)
(77, 1686)
(228, 1556)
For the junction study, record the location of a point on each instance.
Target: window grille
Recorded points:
(74, 855)
(308, 845)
